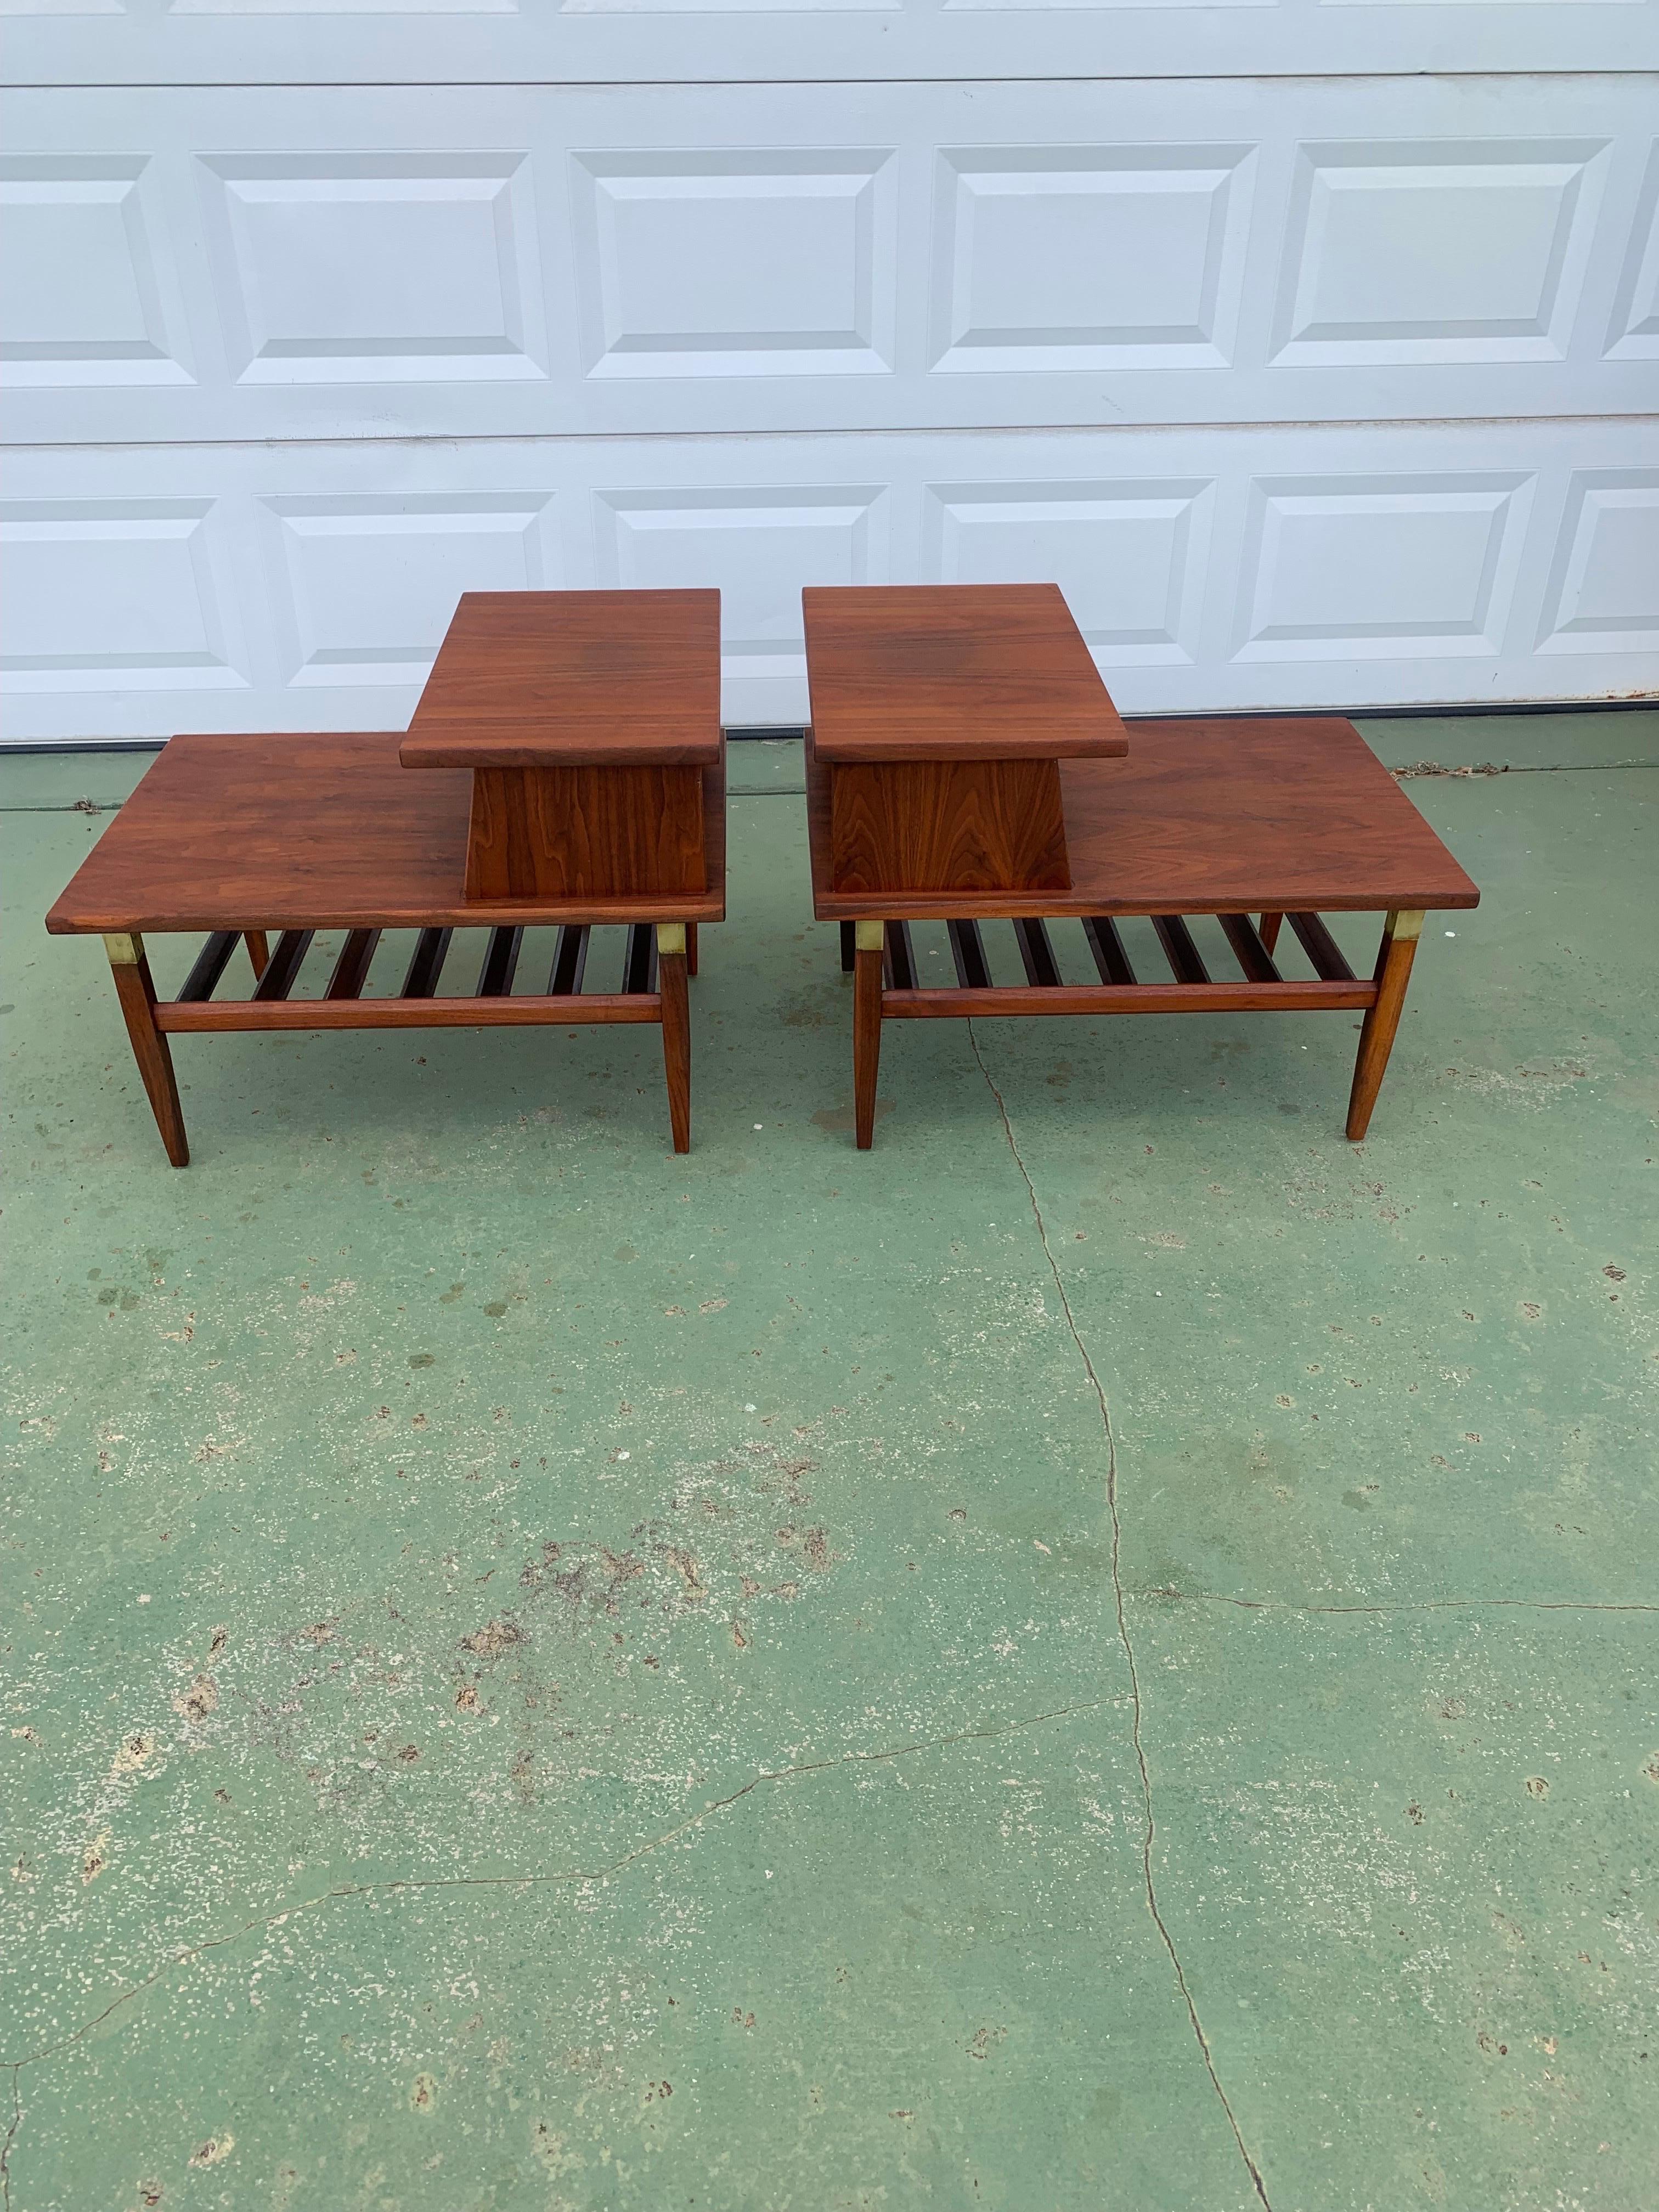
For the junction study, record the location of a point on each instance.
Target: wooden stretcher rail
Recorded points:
(963, 1001)
(417, 1013)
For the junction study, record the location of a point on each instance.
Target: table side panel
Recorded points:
(571, 832)
(991, 823)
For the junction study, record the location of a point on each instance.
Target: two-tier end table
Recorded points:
(1280, 819)
(564, 767)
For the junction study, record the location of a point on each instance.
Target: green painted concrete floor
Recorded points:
(1102, 1656)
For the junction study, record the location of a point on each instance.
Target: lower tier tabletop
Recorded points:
(321, 832)
(1205, 816)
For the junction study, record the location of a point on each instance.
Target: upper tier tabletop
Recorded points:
(322, 832)
(953, 672)
(1268, 814)
(573, 679)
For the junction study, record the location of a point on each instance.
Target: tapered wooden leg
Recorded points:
(690, 948)
(866, 1030)
(848, 950)
(258, 951)
(1393, 966)
(1268, 931)
(137, 993)
(676, 1027)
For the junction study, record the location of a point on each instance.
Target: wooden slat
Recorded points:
(570, 962)
(968, 951)
(1182, 955)
(900, 961)
(427, 963)
(501, 960)
(1322, 948)
(1251, 954)
(640, 959)
(1107, 947)
(284, 964)
(1126, 998)
(351, 968)
(1041, 969)
(209, 964)
(427, 1013)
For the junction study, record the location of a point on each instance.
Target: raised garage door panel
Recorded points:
(349, 264)
(1314, 390)
(151, 588)
(623, 41)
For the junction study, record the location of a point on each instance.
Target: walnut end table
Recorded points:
(1275, 818)
(565, 767)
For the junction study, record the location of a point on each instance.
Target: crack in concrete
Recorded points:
(1510, 768)
(1149, 1829)
(11, 2135)
(397, 1882)
(1404, 1605)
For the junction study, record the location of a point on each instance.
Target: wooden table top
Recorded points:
(320, 832)
(573, 679)
(1268, 814)
(953, 672)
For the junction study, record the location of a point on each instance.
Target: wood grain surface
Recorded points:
(942, 671)
(585, 832)
(1264, 813)
(973, 825)
(322, 832)
(531, 679)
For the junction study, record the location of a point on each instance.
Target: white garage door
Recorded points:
(1337, 387)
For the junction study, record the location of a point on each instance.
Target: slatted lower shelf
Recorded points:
(343, 1006)
(1191, 989)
